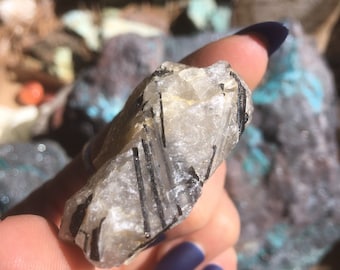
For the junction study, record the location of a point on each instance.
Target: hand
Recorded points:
(29, 239)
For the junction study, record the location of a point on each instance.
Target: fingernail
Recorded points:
(272, 33)
(213, 267)
(185, 256)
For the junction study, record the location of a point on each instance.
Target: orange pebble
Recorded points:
(31, 93)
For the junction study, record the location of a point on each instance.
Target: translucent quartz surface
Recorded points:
(175, 129)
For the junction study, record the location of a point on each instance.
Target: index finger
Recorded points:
(246, 54)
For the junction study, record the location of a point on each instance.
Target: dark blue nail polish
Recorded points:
(272, 33)
(185, 256)
(213, 267)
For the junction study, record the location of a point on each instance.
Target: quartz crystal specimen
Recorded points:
(175, 129)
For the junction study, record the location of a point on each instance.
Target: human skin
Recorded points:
(29, 234)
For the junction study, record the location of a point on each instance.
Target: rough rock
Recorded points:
(150, 170)
(24, 167)
(284, 174)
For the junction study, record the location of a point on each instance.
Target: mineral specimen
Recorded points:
(175, 129)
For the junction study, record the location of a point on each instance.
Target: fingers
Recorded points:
(246, 54)
(201, 247)
(31, 243)
(35, 236)
(213, 224)
(201, 214)
(221, 232)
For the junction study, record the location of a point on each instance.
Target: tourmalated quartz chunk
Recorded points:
(174, 131)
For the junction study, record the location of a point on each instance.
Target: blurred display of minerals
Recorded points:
(67, 68)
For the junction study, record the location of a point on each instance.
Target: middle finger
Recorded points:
(219, 234)
(205, 206)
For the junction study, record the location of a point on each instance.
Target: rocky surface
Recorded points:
(24, 167)
(150, 170)
(286, 162)
(285, 171)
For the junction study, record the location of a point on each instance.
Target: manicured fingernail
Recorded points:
(185, 256)
(213, 267)
(272, 33)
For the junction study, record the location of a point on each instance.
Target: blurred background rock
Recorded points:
(66, 68)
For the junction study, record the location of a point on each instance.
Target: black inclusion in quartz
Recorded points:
(150, 167)
(94, 253)
(161, 115)
(210, 163)
(141, 190)
(242, 116)
(78, 216)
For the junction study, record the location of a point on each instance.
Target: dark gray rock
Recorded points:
(24, 167)
(284, 175)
